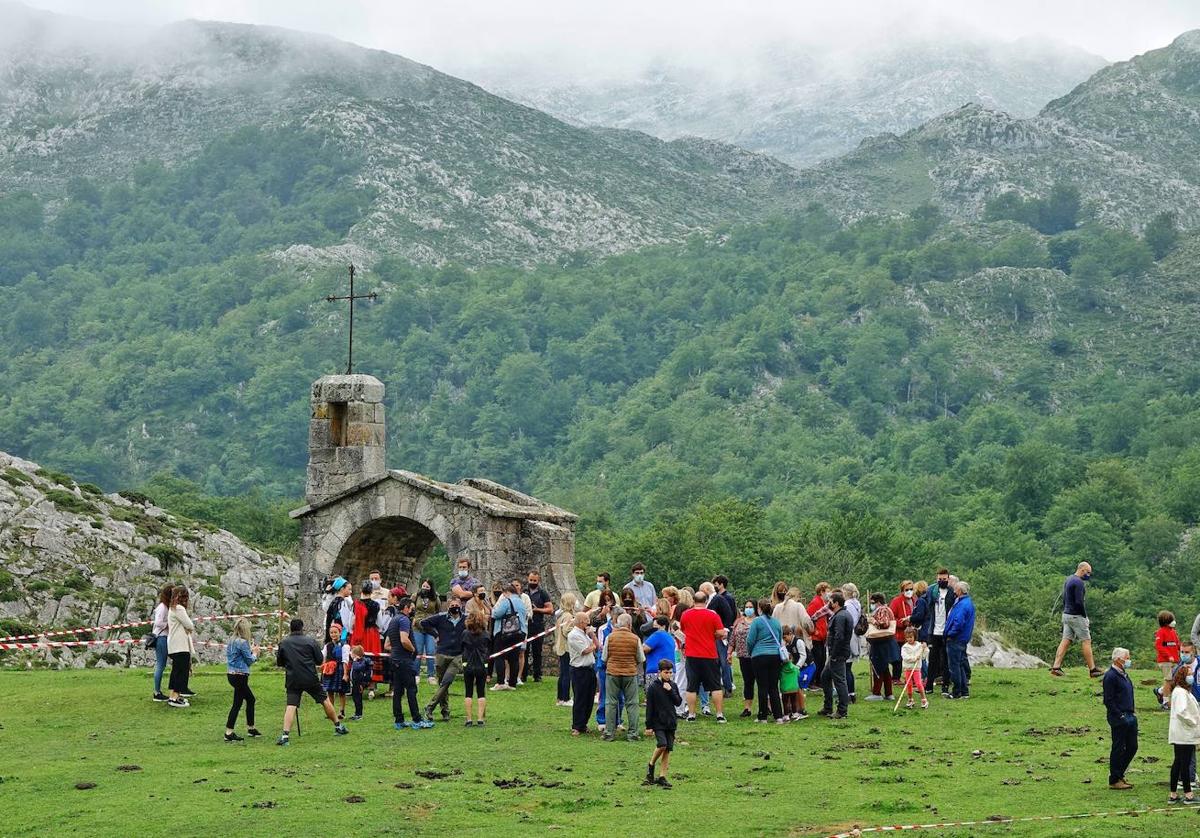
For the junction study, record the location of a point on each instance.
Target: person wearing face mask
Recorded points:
(740, 632)
(1183, 735)
(941, 600)
(425, 606)
(1075, 621)
(1189, 663)
(462, 583)
(643, 591)
(902, 608)
(448, 629)
(1166, 648)
(819, 613)
(1122, 722)
(541, 607)
(603, 583)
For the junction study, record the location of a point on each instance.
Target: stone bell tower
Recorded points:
(346, 438)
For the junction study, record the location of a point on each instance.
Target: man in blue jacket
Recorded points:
(1118, 703)
(448, 627)
(960, 625)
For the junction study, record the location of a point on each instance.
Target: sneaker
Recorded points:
(340, 730)
(706, 710)
(607, 737)
(824, 711)
(468, 723)
(838, 716)
(498, 687)
(283, 740)
(432, 681)
(1056, 671)
(745, 714)
(233, 737)
(649, 773)
(1158, 694)
(800, 716)
(371, 695)
(853, 698)
(873, 697)
(480, 723)
(720, 718)
(946, 694)
(445, 717)
(691, 717)
(160, 697)
(178, 702)
(924, 703)
(560, 703)
(424, 724)
(910, 705)
(187, 694)
(400, 725)
(570, 702)
(1189, 801)
(520, 683)
(355, 718)
(253, 733)
(1120, 785)
(795, 717)
(664, 782)
(633, 737)
(760, 721)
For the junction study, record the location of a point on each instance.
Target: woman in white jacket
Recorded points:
(180, 647)
(1184, 733)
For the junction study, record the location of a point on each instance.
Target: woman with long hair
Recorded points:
(240, 654)
(366, 630)
(562, 627)
(425, 605)
(180, 647)
(1183, 733)
(159, 629)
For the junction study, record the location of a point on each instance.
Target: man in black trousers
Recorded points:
(1118, 702)
(837, 648)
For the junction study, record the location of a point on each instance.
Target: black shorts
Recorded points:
(475, 682)
(294, 693)
(703, 672)
(665, 739)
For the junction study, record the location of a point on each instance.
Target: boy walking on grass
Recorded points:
(662, 697)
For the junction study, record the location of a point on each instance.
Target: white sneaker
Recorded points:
(706, 711)
(432, 681)
(874, 698)
(520, 683)
(570, 702)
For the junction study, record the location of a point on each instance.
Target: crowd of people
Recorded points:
(678, 651)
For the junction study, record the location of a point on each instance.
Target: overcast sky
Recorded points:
(459, 34)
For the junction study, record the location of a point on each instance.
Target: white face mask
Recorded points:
(908, 594)
(638, 577)
(462, 574)
(1172, 624)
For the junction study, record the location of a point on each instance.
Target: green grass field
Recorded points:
(1043, 745)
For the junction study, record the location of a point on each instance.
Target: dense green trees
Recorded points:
(797, 398)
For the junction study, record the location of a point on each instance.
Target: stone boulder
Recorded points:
(989, 649)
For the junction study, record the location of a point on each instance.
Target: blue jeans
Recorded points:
(426, 645)
(601, 719)
(956, 658)
(160, 661)
(726, 667)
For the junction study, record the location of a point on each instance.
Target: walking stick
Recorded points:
(297, 721)
(904, 689)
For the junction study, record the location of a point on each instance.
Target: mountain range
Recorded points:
(454, 173)
(1128, 137)
(801, 103)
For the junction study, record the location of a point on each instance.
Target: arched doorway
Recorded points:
(396, 546)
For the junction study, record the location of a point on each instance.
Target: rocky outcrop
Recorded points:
(73, 556)
(989, 649)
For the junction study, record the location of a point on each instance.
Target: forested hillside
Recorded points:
(796, 398)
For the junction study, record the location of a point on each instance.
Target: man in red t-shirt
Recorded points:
(701, 630)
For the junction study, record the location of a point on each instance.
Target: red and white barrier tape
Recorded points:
(114, 626)
(523, 642)
(997, 820)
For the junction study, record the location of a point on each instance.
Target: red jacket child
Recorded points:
(1166, 643)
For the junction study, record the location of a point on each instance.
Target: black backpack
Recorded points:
(860, 628)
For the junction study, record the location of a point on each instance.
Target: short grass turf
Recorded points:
(1043, 745)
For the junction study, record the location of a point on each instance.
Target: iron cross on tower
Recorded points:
(350, 298)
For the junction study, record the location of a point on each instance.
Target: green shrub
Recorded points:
(7, 582)
(56, 476)
(37, 586)
(15, 477)
(9, 628)
(77, 582)
(69, 502)
(211, 591)
(91, 489)
(166, 554)
(136, 497)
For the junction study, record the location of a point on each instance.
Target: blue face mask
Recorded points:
(1184, 657)
(1191, 680)
(749, 612)
(1086, 577)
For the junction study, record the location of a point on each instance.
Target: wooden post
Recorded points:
(281, 617)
